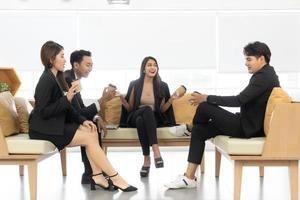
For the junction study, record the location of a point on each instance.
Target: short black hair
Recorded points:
(258, 49)
(77, 56)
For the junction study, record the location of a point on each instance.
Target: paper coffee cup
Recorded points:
(180, 91)
(77, 82)
(111, 87)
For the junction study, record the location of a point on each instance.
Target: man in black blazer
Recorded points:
(82, 65)
(211, 120)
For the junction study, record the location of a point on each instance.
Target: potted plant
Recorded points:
(4, 87)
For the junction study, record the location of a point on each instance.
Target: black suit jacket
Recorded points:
(163, 119)
(252, 100)
(52, 108)
(88, 111)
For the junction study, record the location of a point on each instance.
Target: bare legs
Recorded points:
(98, 160)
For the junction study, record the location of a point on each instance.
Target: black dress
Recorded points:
(53, 117)
(60, 141)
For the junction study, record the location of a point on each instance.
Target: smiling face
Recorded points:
(83, 68)
(254, 64)
(59, 61)
(151, 68)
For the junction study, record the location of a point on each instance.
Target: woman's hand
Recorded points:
(197, 98)
(72, 91)
(90, 124)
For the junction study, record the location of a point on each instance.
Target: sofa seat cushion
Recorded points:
(131, 133)
(22, 144)
(239, 146)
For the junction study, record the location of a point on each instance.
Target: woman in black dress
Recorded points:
(55, 120)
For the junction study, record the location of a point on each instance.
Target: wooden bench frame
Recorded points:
(31, 160)
(279, 150)
(136, 143)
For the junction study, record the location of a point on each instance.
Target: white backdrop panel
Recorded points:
(151, 4)
(177, 40)
(280, 31)
(23, 34)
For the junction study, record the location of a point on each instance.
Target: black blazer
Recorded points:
(88, 111)
(52, 108)
(163, 119)
(252, 100)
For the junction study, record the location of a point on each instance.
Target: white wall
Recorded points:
(197, 43)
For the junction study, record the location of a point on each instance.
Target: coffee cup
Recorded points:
(179, 92)
(77, 83)
(111, 87)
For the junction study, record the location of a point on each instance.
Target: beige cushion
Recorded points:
(238, 146)
(277, 96)
(184, 112)
(8, 114)
(23, 109)
(113, 111)
(131, 133)
(21, 144)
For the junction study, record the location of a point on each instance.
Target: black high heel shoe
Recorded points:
(94, 184)
(159, 163)
(144, 172)
(130, 188)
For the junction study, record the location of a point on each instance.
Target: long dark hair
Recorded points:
(48, 53)
(156, 79)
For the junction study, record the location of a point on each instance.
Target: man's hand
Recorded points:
(197, 98)
(101, 125)
(90, 124)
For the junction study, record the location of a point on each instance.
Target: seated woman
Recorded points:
(54, 119)
(148, 105)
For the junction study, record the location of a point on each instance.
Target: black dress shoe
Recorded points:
(159, 163)
(86, 178)
(144, 172)
(110, 186)
(130, 188)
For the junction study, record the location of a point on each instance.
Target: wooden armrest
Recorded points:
(3, 145)
(283, 138)
(295, 101)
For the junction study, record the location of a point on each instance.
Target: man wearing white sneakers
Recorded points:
(211, 120)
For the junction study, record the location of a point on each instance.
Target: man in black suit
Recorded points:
(211, 120)
(82, 65)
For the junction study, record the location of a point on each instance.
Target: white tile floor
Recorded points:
(52, 186)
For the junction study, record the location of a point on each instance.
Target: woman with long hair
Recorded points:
(148, 105)
(54, 119)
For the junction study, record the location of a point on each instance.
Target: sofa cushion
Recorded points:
(240, 146)
(23, 109)
(131, 133)
(8, 114)
(277, 96)
(21, 144)
(184, 112)
(113, 111)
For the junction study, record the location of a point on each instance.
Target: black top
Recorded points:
(88, 111)
(163, 119)
(252, 100)
(52, 108)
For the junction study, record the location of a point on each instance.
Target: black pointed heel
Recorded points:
(94, 184)
(159, 163)
(144, 172)
(130, 188)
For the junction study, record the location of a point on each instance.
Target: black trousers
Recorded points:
(210, 121)
(87, 166)
(144, 120)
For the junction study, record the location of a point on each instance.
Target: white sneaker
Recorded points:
(182, 182)
(180, 130)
